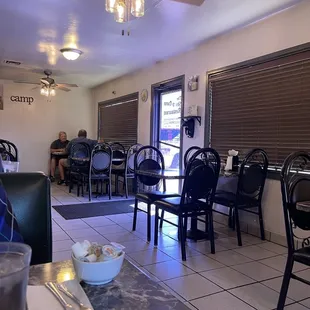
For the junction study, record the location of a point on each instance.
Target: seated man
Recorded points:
(58, 145)
(63, 163)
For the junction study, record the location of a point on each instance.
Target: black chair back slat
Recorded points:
(189, 153)
(252, 175)
(295, 185)
(130, 158)
(148, 158)
(101, 160)
(79, 157)
(8, 150)
(118, 151)
(201, 176)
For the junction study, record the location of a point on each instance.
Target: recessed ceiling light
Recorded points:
(71, 53)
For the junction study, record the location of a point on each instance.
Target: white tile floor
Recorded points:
(235, 278)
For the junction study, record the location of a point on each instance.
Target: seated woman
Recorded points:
(58, 146)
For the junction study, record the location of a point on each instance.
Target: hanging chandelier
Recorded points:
(122, 9)
(47, 91)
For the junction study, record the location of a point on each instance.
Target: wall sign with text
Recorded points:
(23, 99)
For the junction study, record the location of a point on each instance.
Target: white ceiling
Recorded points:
(33, 31)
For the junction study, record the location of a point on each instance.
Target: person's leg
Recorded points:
(61, 166)
(53, 168)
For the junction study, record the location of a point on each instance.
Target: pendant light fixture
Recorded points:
(71, 53)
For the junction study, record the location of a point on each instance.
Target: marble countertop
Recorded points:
(130, 290)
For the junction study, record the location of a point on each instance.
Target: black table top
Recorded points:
(168, 174)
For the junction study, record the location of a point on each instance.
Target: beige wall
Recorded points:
(286, 29)
(33, 127)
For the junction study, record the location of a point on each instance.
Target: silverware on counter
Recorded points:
(53, 288)
(65, 290)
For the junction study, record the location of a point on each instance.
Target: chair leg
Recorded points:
(83, 186)
(285, 282)
(236, 216)
(185, 225)
(156, 227)
(89, 190)
(207, 226)
(211, 232)
(261, 222)
(135, 214)
(126, 185)
(110, 189)
(78, 188)
(162, 219)
(182, 238)
(148, 222)
(230, 218)
(70, 183)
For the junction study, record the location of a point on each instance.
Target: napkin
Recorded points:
(39, 297)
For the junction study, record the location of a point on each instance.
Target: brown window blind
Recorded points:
(263, 104)
(118, 120)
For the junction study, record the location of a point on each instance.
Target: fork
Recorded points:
(52, 287)
(65, 290)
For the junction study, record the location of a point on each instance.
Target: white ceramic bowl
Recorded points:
(98, 273)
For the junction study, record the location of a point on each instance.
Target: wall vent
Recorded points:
(12, 63)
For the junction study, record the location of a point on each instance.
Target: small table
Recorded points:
(132, 289)
(165, 174)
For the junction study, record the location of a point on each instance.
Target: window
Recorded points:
(118, 120)
(262, 103)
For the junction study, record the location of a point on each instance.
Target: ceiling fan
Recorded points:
(49, 83)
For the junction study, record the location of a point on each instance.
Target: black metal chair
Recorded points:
(148, 189)
(100, 167)
(189, 153)
(129, 171)
(251, 181)
(295, 188)
(79, 162)
(8, 150)
(201, 176)
(118, 164)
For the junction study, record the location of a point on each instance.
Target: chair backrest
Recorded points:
(29, 194)
(295, 184)
(252, 175)
(130, 158)
(79, 157)
(8, 150)
(201, 176)
(101, 160)
(189, 153)
(148, 158)
(118, 151)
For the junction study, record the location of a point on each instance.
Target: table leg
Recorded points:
(194, 233)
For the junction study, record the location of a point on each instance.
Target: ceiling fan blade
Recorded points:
(67, 85)
(191, 2)
(37, 87)
(25, 82)
(63, 88)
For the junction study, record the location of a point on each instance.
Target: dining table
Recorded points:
(132, 289)
(227, 181)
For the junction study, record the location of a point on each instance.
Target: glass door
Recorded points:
(166, 127)
(169, 140)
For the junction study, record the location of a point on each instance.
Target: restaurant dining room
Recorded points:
(155, 154)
